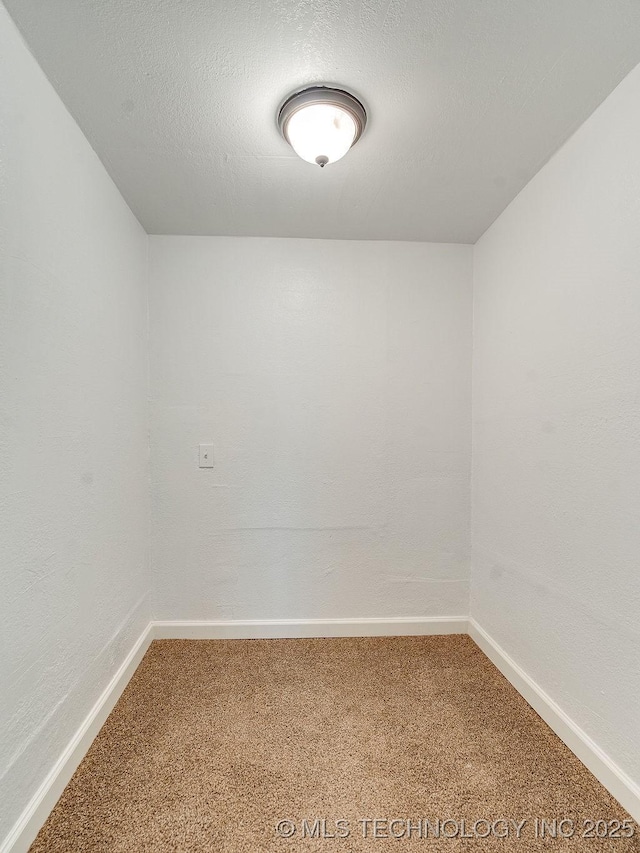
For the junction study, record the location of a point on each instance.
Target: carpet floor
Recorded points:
(213, 743)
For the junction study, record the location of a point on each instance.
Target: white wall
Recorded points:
(73, 427)
(334, 379)
(556, 474)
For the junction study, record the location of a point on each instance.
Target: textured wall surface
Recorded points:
(73, 427)
(466, 99)
(334, 380)
(332, 377)
(556, 474)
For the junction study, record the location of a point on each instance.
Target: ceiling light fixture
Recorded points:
(322, 124)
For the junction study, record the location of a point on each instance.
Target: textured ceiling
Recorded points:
(467, 99)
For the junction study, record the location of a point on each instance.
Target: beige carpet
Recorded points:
(214, 742)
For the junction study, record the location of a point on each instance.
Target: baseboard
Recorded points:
(615, 780)
(37, 811)
(621, 786)
(254, 629)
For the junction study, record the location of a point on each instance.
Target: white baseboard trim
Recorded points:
(615, 780)
(254, 629)
(37, 811)
(621, 786)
